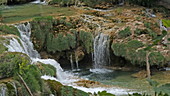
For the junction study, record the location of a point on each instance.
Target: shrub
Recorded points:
(4, 29)
(140, 31)
(124, 33)
(166, 23)
(10, 63)
(129, 52)
(87, 40)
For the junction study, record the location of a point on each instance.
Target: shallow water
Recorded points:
(122, 80)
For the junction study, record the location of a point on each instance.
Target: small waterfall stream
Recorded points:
(24, 45)
(101, 50)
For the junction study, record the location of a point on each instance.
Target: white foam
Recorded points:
(98, 71)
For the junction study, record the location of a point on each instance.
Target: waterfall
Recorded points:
(25, 32)
(71, 61)
(162, 27)
(77, 63)
(3, 91)
(24, 45)
(101, 50)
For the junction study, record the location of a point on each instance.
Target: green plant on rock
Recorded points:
(5, 29)
(87, 40)
(61, 42)
(10, 63)
(156, 58)
(103, 93)
(41, 27)
(119, 49)
(124, 33)
(166, 23)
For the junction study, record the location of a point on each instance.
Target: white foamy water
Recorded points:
(100, 70)
(101, 50)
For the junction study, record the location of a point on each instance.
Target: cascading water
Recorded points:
(71, 61)
(3, 90)
(24, 45)
(101, 50)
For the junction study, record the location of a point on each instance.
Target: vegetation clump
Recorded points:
(124, 33)
(5, 29)
(134, 52)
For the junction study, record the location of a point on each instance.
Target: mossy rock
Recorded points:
(134, 52)
(86, 39)
(61, 90)
(5, 29)
(10, 63)
(124, 33)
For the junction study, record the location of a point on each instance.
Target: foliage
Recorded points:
(140, 31)
(40, 30)
(87, 40)
(124, 33)
(2, 48)
(134, 44)
(10, 63)
(156, 58)
(5, 29)
(60, 90)
(162, 90)
(103, 93)
(166, 23)
(32, 76)
(131, 52)
(47, 69)
(60, 42)
(70, 91)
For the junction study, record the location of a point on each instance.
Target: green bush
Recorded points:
(140, 31)
(130, 52)
(41, 27)
(10, 63)
(134, 44)
(119, 49)
(61, 90)
(124, 33)
(60, 43)
(87, 40)
(5, 29)
(156, 58)
(166, 23)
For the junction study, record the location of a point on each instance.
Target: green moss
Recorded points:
(156, 58)
(124, 33)
(10, 63)
(4, 29)
(48, 70)
(2, 48)
(70, 91)
(140, 31)
(134, 44)
(130, 52)
(86, 39)
(166, 23)
(61, 42)
(119, 49)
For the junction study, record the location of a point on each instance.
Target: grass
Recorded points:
(29, 11)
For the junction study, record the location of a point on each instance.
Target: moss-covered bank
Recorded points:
(61, 38)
